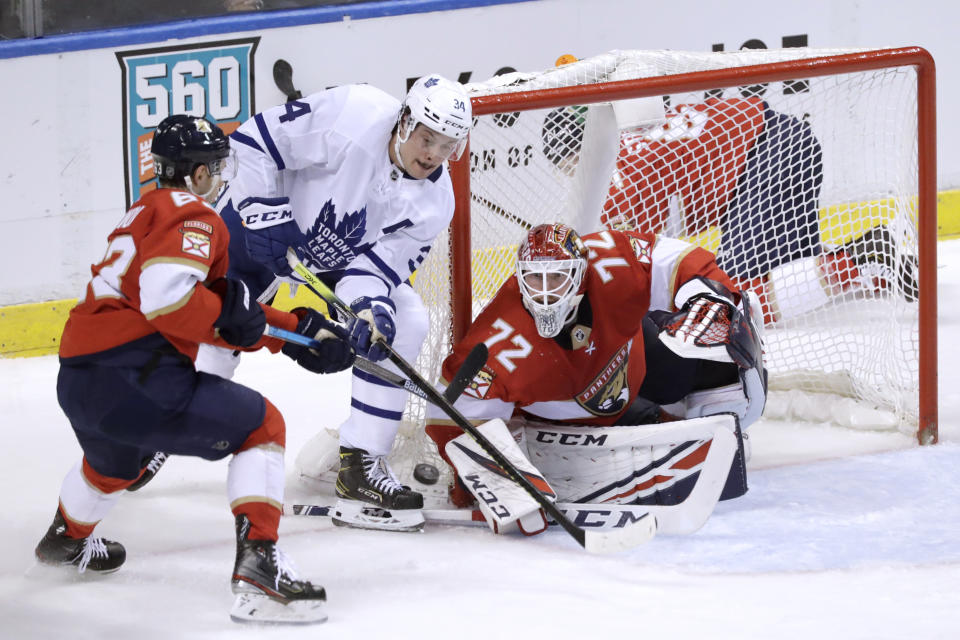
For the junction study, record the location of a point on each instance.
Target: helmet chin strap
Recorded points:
(214, 185)
(396, 153)
(398, 139)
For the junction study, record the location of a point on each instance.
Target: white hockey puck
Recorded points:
(426, 473)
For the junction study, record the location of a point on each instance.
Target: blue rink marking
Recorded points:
(195, 27)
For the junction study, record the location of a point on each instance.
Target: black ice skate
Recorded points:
(153, 466)
(371, 497)
(875, 254)
(267, 587)
(93, 553)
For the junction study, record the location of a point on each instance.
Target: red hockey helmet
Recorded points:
(551, 263)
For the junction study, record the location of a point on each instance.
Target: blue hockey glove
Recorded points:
(375, 322)
(241, 321)
(335, 352)
(270, 231)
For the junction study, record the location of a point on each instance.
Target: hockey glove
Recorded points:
(333, 354)
(270, 231)
(373, 327)
(241, 321)
(705, 326)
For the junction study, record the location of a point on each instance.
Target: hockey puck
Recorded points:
(426, 473)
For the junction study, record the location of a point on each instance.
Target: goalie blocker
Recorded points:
(681, 469)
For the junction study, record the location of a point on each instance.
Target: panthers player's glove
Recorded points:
(241, 321)
(373, 327)
(270, 231)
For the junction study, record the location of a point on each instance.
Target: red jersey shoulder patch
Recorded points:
(206, 227)
(196, 244)
(481, 383)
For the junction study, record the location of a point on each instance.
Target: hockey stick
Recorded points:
(503, 213)
(592, 541)
(471, 365)
(283, 78)
(599, 516)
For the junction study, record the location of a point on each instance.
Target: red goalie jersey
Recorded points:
(150, 280)
(591, 372)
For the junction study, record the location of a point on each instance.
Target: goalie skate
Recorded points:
(371, 497)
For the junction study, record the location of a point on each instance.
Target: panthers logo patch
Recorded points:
(609, 392)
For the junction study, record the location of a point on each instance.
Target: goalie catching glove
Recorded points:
(712, 326)
(334, 353)
(709, 326)
(502, 501)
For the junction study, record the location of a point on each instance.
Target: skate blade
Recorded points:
(359, 515)
(258, 608)
(64, 572)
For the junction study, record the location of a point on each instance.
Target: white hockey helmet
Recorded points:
(440, 105)
(551, 263)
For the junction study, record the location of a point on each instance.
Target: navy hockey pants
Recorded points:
(126, 403)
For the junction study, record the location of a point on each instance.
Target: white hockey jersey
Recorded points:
(361, 215)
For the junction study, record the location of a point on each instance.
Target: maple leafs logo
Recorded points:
(334, 243)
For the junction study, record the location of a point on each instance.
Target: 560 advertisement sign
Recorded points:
(213, 80)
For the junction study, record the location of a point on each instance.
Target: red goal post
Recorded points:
(922, 341)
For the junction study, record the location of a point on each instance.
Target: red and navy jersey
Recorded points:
(591, 372)
(152, 277)
(690, 164)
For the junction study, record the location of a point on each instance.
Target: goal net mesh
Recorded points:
(806, 188)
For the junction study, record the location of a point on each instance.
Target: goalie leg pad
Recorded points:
(501, 500)
(643, 464)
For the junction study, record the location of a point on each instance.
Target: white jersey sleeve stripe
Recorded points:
(370, 274)
(243, 138)
(267, 140)
(384, 267)
(166, 285)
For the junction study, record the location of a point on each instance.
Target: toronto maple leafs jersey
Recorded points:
(367, 224)
(591, 372)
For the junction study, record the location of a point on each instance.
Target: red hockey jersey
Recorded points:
(687, 167)
(151, 280)
(592, 378)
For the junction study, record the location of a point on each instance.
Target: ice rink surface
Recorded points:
(843, 534)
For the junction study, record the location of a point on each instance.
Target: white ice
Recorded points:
(843, 534)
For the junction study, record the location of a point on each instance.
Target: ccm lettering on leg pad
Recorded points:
(502, 501)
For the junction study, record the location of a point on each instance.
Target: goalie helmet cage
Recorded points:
(625, 140)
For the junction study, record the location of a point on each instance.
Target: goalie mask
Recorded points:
(551, 264)
(442, 106)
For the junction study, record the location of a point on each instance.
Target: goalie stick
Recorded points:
(593, 541)
(470, 367)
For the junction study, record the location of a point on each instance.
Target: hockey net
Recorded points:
(682, 143)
